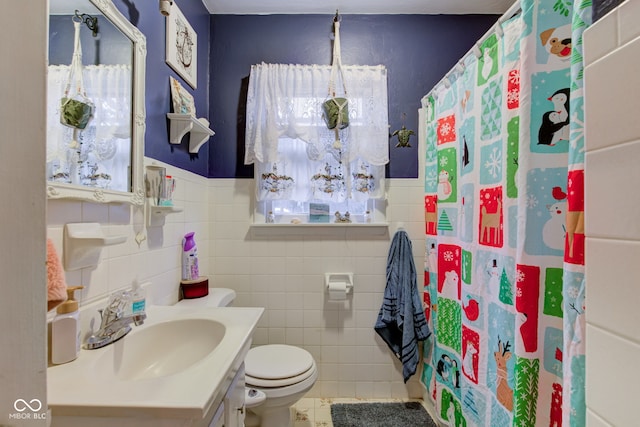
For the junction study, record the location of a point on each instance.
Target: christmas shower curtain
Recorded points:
(504, 269)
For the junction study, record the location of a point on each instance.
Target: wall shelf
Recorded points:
(181, 124)
(83, 243)
(156, 215)
(377, 230)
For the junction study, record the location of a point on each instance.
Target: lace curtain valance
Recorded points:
(285, 101)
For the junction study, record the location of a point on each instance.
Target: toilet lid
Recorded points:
(281, 383)
(277, 361)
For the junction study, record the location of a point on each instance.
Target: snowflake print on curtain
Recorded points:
(504, 225)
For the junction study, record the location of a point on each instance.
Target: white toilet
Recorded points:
(276, 375)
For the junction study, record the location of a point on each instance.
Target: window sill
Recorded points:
(324, 229)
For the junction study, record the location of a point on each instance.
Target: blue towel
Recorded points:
(401, 322)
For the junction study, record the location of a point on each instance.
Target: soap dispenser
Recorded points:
(65, 330)
(138, 298)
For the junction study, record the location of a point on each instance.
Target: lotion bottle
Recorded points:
(65, 330)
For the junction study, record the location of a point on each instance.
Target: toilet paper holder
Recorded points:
(338, 278)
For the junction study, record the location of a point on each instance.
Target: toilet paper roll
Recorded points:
(337, 291)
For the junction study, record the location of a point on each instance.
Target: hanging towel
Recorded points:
(401, 322)
(56, 285)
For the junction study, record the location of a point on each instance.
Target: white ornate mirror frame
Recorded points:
(137, 194)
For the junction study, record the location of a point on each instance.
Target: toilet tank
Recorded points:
(218, 297)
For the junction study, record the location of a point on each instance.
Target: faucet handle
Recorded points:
(138, 319)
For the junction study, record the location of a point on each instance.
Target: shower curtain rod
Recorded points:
(475, 50)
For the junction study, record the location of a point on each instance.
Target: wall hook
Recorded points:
(90, 21)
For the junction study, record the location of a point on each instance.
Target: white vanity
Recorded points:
(182, 367)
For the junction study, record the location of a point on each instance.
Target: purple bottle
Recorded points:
(189, 258)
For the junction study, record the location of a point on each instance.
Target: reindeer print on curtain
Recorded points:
(504, 267)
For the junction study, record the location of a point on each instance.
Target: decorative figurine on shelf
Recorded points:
(403, 134)
(346, 218)
(270, 218)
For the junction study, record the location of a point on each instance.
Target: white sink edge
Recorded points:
(188, 394)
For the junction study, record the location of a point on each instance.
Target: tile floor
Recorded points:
(310, 412)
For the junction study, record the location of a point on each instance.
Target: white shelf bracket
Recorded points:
(181, 124)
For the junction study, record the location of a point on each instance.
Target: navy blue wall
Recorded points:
(110, 47)
(145, 15)
(418, 50)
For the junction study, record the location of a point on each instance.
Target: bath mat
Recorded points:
(401, 414)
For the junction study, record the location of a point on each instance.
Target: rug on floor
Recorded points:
(401, 414)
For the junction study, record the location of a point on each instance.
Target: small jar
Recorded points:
(367, 217)
(270, 218)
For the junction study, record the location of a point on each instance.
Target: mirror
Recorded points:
(102, 160)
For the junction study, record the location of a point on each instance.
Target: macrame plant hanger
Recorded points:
(76, 109)
(336, 108)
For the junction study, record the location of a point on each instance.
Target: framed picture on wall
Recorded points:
(182, 46)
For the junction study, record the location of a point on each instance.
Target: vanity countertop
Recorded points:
(87, 386)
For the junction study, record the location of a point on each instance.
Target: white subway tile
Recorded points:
(277, 318)
(628, 13)
(611, 198)
(96, 212)
(329, 354)
(330, 372)
(312, 337)
(276, 335)
(61, 212)
(364, 390)
(610, 366)
(601, 38)
(294, 318)
(612, 278)
(611, 110)
(313, 319)
(294, 336)
(346, 388)
(329, 388)
(382, 390)
(347, 371)
(594, 420)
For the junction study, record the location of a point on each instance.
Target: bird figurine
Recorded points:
(403, 136)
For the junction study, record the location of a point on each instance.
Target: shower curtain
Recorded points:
(504, 269)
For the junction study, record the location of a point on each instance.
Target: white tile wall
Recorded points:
(283, 274)
(612, 54)
(156, 260)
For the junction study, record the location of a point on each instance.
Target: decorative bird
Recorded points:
(558, 194)
(403, 136)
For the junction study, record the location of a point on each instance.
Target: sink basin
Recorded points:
(161, 349)
(174, 370)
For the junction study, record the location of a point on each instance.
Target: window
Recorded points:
(298, 160)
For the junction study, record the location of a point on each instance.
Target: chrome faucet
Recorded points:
(115, 324)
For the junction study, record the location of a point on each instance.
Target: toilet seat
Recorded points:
(278, 365)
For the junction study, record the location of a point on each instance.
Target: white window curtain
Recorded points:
(106, 141)
(294, 151)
